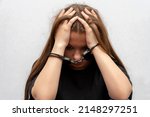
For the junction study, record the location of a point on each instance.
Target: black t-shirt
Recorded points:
(87, 84)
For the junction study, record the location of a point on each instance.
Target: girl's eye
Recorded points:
(84, 48)
(69, 48)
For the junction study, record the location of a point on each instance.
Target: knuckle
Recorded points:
(89, 30)
(65, 28)
(70, 22)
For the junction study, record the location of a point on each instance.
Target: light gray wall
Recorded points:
(25, 27)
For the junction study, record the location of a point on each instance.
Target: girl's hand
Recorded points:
(90, 36)
(63, 32)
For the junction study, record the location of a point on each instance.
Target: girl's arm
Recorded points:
(117, 83)
(46, 84)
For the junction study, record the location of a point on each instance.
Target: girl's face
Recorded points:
(77, 45)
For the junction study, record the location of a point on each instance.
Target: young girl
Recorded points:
(78, 61)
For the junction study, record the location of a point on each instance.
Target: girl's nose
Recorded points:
(77, 55)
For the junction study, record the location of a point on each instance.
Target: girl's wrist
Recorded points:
(98, 49)
(92, 48)
(58, 49)
(91, 44)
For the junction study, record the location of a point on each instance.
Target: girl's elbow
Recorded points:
(42, 95)
(122, 95)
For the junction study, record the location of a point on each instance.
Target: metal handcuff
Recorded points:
(85, 56)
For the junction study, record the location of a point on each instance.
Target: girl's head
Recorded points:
(77, 28)
(77, 44)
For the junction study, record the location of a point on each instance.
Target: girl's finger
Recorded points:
(84, 23)
(85, 15)
(87, 18)
(87, 11)
(61, 13)
(68, 11)
(72, 21)
(65, 22)
(91, 13)
(94, 14)
(72, 13)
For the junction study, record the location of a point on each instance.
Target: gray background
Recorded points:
(25, 27)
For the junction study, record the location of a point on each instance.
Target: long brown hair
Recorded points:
(101, 34)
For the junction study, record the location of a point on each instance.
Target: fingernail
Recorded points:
(82, 12)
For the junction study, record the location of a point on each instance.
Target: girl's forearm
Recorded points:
(46, 84)
(117, 83)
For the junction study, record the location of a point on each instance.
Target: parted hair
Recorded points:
(100, 32)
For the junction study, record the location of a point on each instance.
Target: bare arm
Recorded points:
(117, 83)
(46, 84)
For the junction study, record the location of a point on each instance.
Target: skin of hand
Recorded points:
(50, 74)
(90, 36)
(63, 32)
(116, 81)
